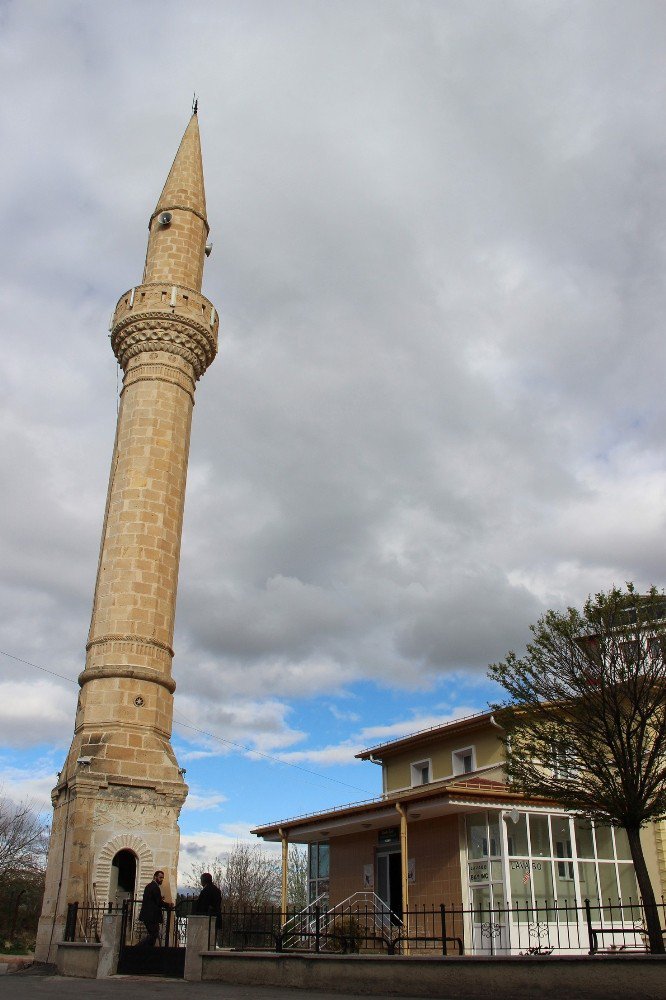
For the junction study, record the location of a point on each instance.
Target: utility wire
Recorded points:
(190, 725)
(260, 753)
(37, 667)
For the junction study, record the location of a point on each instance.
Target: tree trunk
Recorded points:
(652, 919)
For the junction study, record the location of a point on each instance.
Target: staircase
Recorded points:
(372, 917)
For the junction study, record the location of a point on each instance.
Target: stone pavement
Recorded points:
(28, 986)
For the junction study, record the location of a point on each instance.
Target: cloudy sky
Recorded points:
(438, 407)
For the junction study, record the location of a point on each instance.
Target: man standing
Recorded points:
(209, 902)
(152, 905)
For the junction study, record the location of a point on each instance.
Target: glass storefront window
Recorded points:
(479, 871)
(516, 835)
(481, 903)
(628, 891)
(622, 844)
(539, 839)
(584, 841)
(604, 838)
(554, 863)
(587, 876)
(519, 883)
(542, 882)
(499, 898)
(608, 890)
(496, 871)
(477, 836)
(494, 843)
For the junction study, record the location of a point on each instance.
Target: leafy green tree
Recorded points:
(585, 718)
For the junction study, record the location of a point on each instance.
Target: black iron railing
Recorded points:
(551, 928)
(172, 930)
(84, 923)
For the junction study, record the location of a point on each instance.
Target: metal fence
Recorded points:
(553, 928)
(84, 922)
(446, 930)
(172, 930)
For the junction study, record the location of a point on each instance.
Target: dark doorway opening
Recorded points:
(123, 876)
(389, 880)
(395, 883)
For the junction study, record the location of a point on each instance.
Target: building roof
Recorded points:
(391, 747)
(434, 799)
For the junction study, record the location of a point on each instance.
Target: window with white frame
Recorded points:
(564, 766)
(421, 772)
(549, 854)
(464, 761)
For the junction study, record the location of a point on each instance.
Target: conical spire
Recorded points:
(184, 186)
(178, 226)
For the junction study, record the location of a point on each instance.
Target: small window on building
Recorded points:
(656, 648)
(563, 761)
(631, 652)
(464, 761)
(421, 773)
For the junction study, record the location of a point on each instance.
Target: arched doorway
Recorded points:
(123, 876)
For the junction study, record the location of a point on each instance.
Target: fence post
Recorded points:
(107, 964)
(442, 913)
(317, 930)
(197, 942)
(591, 934)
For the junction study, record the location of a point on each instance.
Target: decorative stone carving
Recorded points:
(140, 640)
(158, 331)
(145, 863)
(132, 815)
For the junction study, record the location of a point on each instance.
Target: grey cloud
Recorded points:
(439, 262)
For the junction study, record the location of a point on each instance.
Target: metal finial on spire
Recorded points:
(195, 104)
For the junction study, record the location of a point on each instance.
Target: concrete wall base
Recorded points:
(78, 958)
(607, 977)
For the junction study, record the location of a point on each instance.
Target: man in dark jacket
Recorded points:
(209, 902)
(152, 905)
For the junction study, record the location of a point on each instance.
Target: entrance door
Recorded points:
(389, 881)
(123, 876)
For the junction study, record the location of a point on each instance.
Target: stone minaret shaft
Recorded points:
(121, 789)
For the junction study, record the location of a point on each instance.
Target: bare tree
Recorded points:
(247, 876)
(23, 846)
(23, 839)
(252, 877)
(214, 866)
(297, 877)
(585, 720)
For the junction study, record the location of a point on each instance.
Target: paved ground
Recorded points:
(27, 986)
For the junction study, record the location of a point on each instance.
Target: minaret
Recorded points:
(119, 795)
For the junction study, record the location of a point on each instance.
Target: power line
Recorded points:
(190, 725)
(268, 756)
(37, 667)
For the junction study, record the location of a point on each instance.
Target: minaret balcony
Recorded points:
(165, 317)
